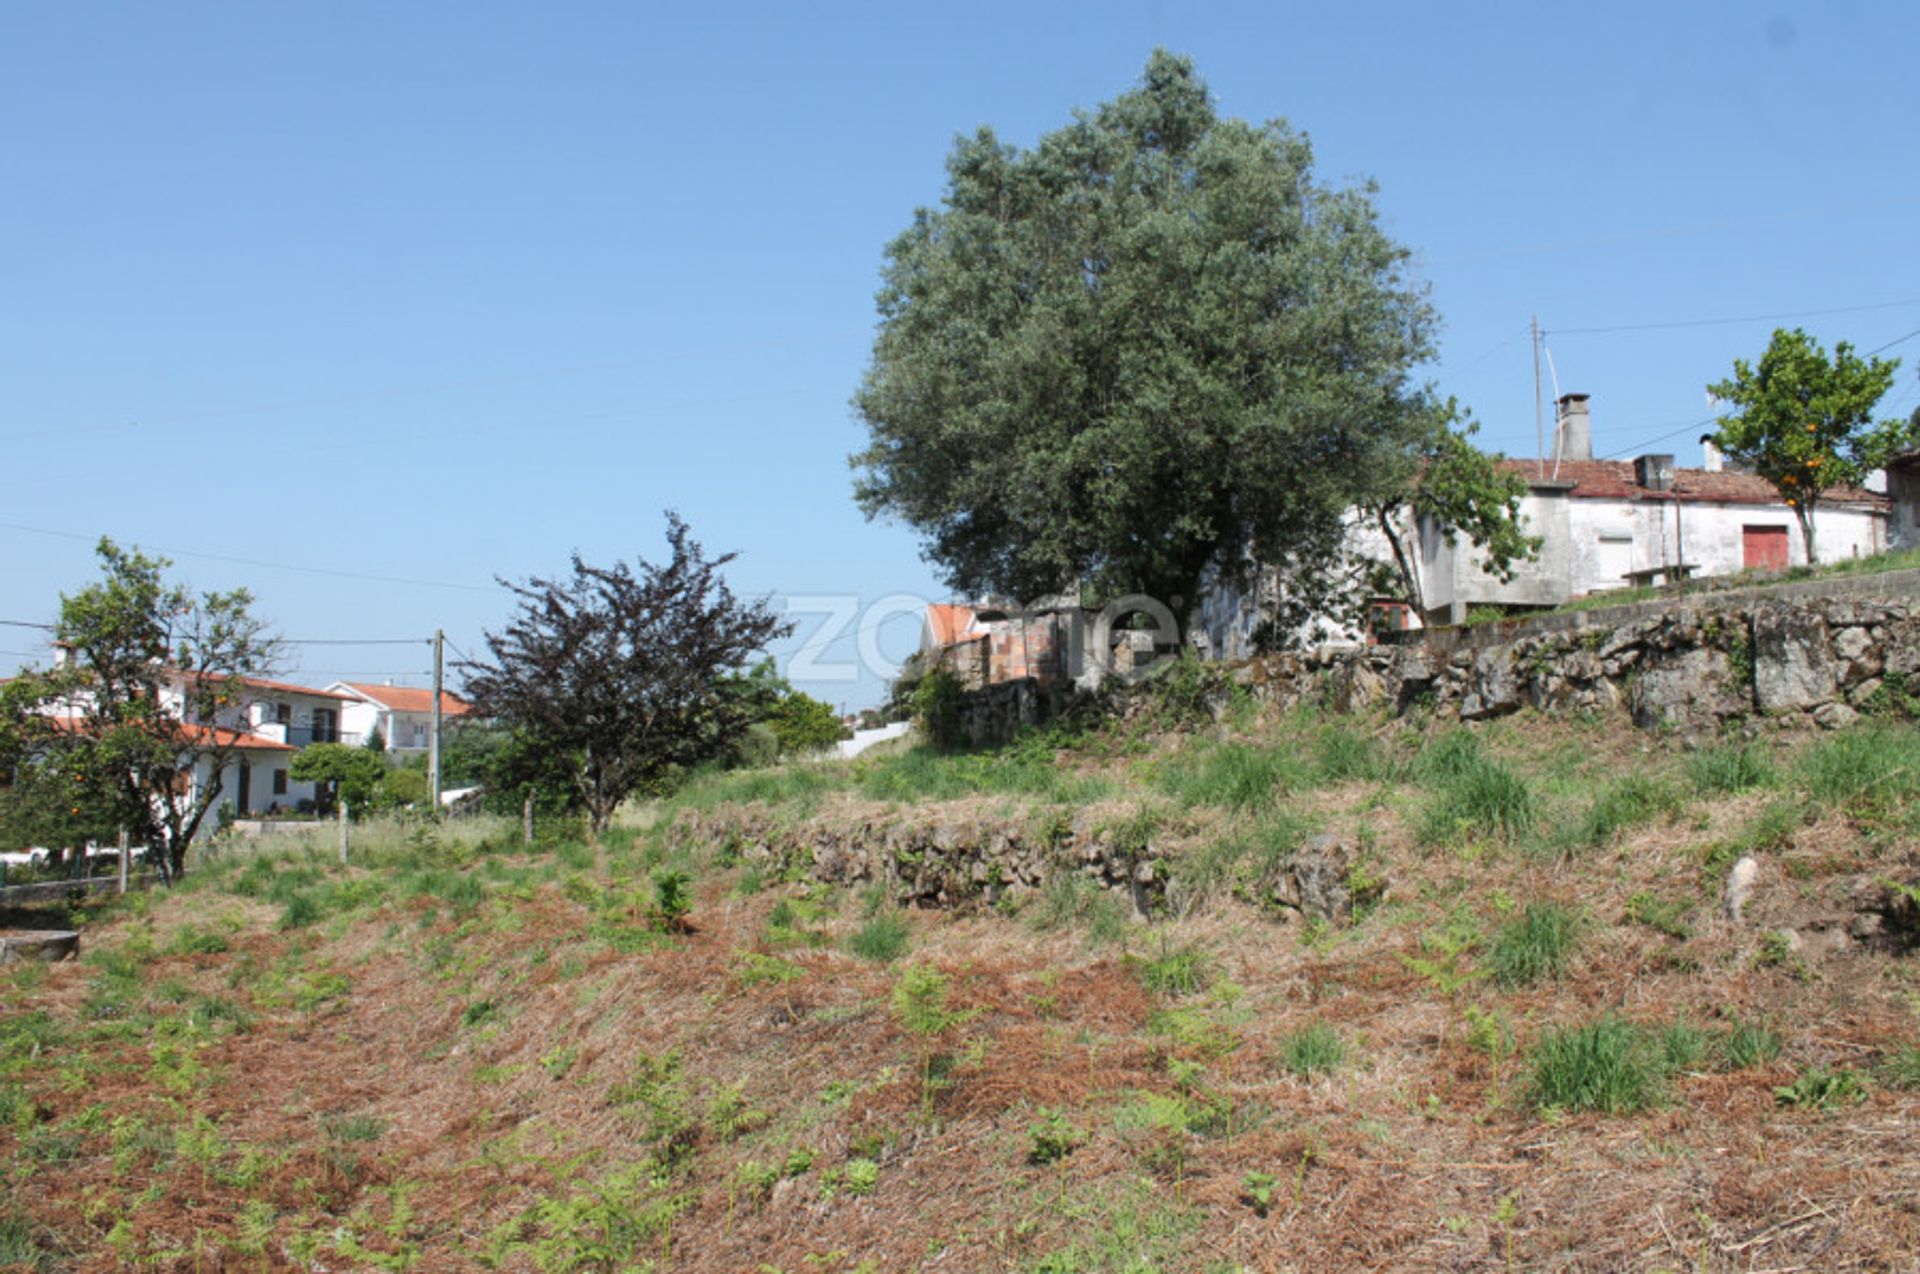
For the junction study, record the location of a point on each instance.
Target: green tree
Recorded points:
(354, 773)
(1440, 474)
(145, 704)
(804, 724)
(1151, 344)
(1804, 421)
(799, 722)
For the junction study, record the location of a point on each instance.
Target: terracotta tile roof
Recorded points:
(408, 699)
(278, 687)
(218, 736)
(1614, 480)
(951, 624)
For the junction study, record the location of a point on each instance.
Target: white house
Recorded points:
(1608, 524)
(272, 721)
(402, 714)
(1603, 525)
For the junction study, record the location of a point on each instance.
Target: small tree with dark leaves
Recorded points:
(619, 669)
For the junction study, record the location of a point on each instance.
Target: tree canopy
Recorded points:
(1804, 421)
(117, 734)
(617, 673)
(1150, 344)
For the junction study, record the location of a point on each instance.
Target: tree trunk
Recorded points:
(1804, 512)
(1411, 581)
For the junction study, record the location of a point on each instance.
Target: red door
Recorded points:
(1764, 547)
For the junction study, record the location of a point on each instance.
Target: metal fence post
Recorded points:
(125, 853)
(343, 832)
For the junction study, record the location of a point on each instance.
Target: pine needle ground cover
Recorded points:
(1540, 1048)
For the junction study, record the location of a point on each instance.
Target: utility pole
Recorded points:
(1539, 417)
(433, 740)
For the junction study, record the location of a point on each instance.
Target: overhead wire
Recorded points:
(361, 576)
(1719, 322)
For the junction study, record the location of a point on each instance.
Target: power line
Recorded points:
(354, 641)
(1635, 446)
(265, 565)
(1750, 318)
(1895, 341)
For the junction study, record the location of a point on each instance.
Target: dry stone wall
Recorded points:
(1692, 668)
(955, 856)
(939, 856)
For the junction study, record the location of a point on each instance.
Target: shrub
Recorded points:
(1667, 915)
(672, 899)
(1051, 1137)
(192, 940)
(300, 910)
(936, 702)
(882, 939)
(1535, 945)
(1313, 1050)
(1731, 767)
(1608, 1065)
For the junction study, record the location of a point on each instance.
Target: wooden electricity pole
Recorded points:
(433, 739)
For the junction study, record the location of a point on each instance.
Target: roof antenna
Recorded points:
(1559, 424)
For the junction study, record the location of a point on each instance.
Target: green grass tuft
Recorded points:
(1868, 770)
(1536, 944)
(1185, 970)
(883, 939)
(1607, 1065)
(1750, 1044)
(1477, 796)
(1234, 775)
(1316, 1049)
(1731, 767)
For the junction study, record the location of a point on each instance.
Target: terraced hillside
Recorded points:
(1301, 992)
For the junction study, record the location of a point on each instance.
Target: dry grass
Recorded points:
(505, 1055)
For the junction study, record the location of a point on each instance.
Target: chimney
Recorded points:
(1714, 459)
(1573, 432)
(1655, 473)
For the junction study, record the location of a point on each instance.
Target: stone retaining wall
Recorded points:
(1689, 668)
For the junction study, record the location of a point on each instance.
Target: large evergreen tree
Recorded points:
(1150, 344)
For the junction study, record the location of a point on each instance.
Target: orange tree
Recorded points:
(1804, 421)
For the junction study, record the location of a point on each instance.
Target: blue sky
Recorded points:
(413, 295)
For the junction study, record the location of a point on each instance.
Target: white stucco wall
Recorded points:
(1706, 535)
(360, 718)
(262, 796)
